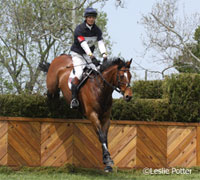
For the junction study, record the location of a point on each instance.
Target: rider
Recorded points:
(85, 35)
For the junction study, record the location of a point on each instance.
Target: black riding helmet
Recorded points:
(90, 12)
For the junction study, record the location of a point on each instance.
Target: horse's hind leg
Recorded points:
(53, 91)
(57, 94)
(49, 95)
(54, 95)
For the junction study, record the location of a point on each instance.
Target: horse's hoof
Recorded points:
(108, 169)
(108, 162)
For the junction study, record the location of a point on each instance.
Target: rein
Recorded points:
(113, 87)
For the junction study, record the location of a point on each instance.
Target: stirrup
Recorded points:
(74, 103)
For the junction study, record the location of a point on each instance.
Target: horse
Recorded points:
(95, 95)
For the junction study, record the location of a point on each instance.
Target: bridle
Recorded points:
(119, 83)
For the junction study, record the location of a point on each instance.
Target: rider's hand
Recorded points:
(95, 61)
(104, 57)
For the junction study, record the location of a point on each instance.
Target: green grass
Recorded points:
(71, 173)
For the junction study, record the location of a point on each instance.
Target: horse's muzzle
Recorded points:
(127, 98)
(128, 94)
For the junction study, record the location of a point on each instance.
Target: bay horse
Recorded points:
(95, 95)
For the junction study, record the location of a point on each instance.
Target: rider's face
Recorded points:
(90, 20)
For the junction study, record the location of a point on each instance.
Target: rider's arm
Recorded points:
(101, 44)
(84, 45)
(102, 48)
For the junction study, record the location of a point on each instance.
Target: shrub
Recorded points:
(35, 106)
(183, 92)
(141, 110)
(180, 103)
(148, 89)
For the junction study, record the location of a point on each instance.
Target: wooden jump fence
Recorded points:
(132, 144)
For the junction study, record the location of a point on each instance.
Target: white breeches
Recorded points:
(80, 63)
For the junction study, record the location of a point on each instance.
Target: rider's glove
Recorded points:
(95, 61)
(104, 57)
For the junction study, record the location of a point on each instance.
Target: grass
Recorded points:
(72, 173)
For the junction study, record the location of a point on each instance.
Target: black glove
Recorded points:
(104, 60)
(95, 61)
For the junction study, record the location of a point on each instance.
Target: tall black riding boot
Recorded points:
(74, 102)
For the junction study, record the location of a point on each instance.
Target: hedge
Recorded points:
(35, 106)
(147, 89)
(39, 106)
(180, 103)
(141, 110)
(183, 93)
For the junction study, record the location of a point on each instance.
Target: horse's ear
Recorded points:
(128, 64)
(120, 63)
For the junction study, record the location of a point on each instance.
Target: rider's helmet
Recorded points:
(90, 12)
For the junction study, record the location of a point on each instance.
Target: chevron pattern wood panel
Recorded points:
(198, 145)
(122, 145)
(181, 145)
(56, 144)
(24, 143)
(3, 142)
(87, 150)
(151, 146)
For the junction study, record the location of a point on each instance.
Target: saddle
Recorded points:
(87, 73)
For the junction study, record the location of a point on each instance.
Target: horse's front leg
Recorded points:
(101, 129)
(105, 122)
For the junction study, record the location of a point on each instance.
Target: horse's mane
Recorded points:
(111, 62)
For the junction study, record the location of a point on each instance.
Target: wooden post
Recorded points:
(198, 146)
(3, 143)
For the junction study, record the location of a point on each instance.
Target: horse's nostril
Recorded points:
(128, 98)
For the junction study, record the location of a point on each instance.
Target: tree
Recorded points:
(34, 31)
(167, 34)
(185, 62)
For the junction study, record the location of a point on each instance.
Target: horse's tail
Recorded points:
(44, 66)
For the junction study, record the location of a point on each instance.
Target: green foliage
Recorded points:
(147, 89)
(34, 31)
(35, 106)
(39, 106)
(183, 92)
(197, 35)
(185, 63)
(141, 110)
(180, 102)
